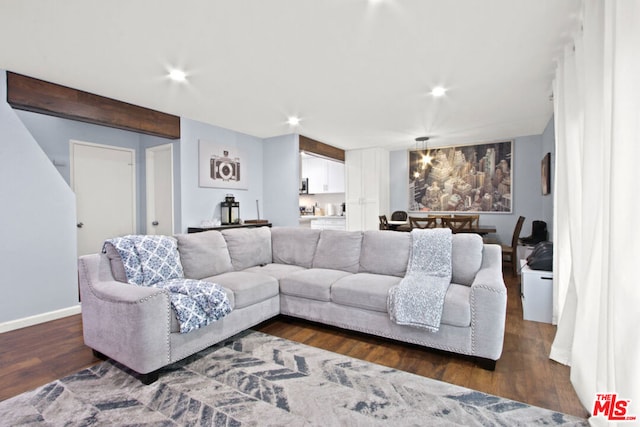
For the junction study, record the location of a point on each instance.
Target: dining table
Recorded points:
(399, 225)
(482, 229)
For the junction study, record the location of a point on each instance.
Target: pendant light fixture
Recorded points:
(426, 155)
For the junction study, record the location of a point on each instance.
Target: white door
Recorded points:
(103, 179)
(159, 166)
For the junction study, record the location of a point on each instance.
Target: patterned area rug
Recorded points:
(259, 380)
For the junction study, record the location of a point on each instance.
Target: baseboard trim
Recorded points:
(39, 318)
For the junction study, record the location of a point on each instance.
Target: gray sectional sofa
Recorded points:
(337, 278)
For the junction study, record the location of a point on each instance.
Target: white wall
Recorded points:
(201, 203)
(281, 180)
(527, 194)
(37, 225)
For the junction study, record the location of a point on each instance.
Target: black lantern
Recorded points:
(230, 210)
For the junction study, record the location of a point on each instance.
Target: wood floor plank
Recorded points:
(36, 355)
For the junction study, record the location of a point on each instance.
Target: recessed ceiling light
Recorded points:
(177, 75)
(293, 121)
(438, 91)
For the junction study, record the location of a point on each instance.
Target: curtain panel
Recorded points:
(597, 247)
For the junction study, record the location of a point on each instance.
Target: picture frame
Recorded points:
(546, 174)
(221, 166)
(463, 178)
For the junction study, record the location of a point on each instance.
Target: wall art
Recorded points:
(221, 166)
(466, 178)
(546, 174)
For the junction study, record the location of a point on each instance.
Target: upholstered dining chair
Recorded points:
(457, 223)
(511, 252)
(384, 224)
(399, 216)
(422, 222)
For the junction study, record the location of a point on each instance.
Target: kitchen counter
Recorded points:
(310, 217)
(326, 222)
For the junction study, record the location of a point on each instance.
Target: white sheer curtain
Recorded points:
(597, 205)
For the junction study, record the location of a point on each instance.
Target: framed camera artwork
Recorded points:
(221, 166)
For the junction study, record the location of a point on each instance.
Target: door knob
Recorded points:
(155, 223)
(79, 225)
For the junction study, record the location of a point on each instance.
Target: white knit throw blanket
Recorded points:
(419, 298)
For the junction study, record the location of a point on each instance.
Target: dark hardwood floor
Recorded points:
(36, 355)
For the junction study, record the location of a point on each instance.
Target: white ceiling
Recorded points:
(357, 72)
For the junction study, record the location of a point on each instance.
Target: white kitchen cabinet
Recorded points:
(325, 176)
(537, 295)
(367, 187)
(335, 177)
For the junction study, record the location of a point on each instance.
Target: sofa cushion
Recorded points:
(457, 306)
(338, 250)
(385, 252)
(277, 271)
(248, 288)
(248, 246)
(203, 254)
(313, 284)
(294, 245)
(466, 257)
(364, 290)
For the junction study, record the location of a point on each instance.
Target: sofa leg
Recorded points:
(488, 364)
(99, 355)
(149, 378)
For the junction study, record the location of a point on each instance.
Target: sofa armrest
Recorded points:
(128, 323)
(488, 305)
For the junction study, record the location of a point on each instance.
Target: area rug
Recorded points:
(255, 379)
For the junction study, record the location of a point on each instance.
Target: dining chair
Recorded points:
(384, 224)
(475, 219)
(422, 222)
(511, 252)
(457, 223)
(399, 216)
(438, 218)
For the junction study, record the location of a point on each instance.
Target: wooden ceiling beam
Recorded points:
(38, 96)
(320, 148)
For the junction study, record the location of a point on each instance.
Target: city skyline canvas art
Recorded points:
(465, 178)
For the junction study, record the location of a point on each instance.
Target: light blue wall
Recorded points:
(527, 193)
(53, 135)
(37, 225)
(200, 203)
(549, 146)
(281, 178)
(398, 180)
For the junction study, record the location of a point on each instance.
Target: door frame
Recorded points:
(150, 183)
